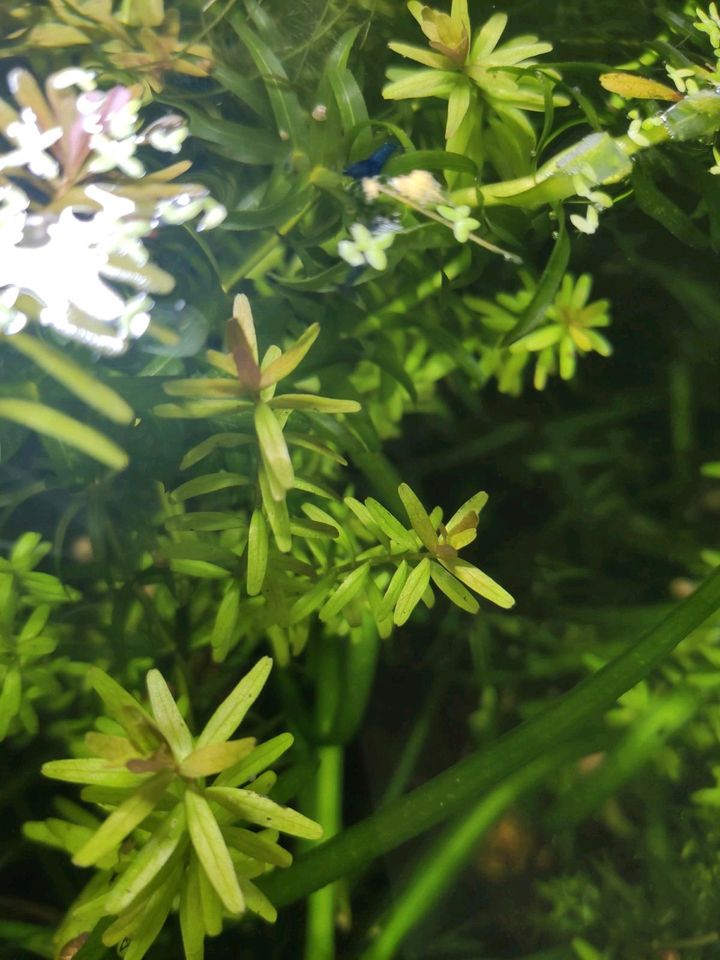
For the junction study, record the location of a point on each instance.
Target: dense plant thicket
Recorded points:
(358, 480)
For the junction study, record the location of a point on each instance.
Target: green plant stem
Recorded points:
(557, 185)
(446, 794)
(449, 854)
(320, 932)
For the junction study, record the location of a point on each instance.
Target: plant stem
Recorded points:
(320, 933)
(449, 792)
(453, 849)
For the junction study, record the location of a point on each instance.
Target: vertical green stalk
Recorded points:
(320, 932)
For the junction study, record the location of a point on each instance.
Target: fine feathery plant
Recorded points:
(241, 396)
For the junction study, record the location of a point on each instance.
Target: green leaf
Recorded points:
(10, 699)
(225, 628)
(168, 717)
(72, 376)
(210, 483)
(458, 106)
(313, 404)
(348, 98)
(208, 446)
(153, 918)
(257, 553)
(473, 505)
(257, 846)
(204, 387)
(419, 518)
(52, 423)
(290, 358)
(192, 927)
(390, 598)
(246, 144)
(195, 549)
(215, 757)
(348, 588)
(210, 904)
(288, 113)
(273, 447)
(408, 84)
(453, 589)
(200, 409)
(206, 520)
(277, 514)
(212, 852)
(548, 286)
(229, 715)
(148, 861)
(265, 812)
(430, 160)
(261, 757)
(273, 214)
(125, 709)
(91, 770)
(412, 592)
(478, 581)
(257, 901)
(123, 820)
(660, 207)
(199, 568)
(390, 525)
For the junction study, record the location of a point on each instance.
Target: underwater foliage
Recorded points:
(390, 396)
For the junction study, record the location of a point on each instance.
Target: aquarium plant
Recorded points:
(359, 516)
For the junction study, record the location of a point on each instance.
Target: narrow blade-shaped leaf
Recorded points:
(257, 846)
(258, 809)
(124, 820)
(313, 404)
(226, 622)
(90, 770)
(210, 483)
(473, 505)
(412, 592)
(52, 423)
(418, 516)
(147, 862)
(453, 589)
(212, 852)
(126, 710)
(257, 553)
(349, 588)
(257, 901)
(290, 358)
(168, 717)
(390, 525)
(153, 920)
(75, 378)
(260, 758)
(478, 581)
(231, 712)
(273, 447)
(192, 928)
(215, 757)
(210, 904)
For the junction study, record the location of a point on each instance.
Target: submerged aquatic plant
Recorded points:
(169, 836)
(141, 38)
